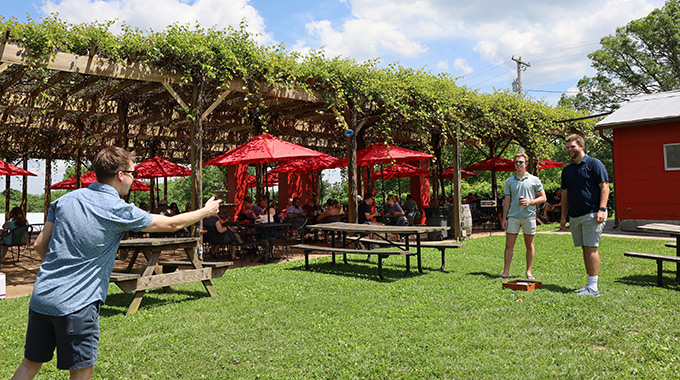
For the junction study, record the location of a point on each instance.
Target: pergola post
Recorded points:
(352, 167)
(457, 198)
(197, 157)
(7, 185)
(48, 183)
(24, 187)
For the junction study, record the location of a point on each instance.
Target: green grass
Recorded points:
(283, 322)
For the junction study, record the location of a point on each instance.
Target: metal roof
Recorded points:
(644, 109)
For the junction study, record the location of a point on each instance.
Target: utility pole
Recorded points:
(521, 66)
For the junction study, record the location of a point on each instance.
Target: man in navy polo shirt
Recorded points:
(585, 191)
(78, 246)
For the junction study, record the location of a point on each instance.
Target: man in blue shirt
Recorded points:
(585, 191)
(523, 192)
(78, 245)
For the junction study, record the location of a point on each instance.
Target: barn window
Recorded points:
(671, 156)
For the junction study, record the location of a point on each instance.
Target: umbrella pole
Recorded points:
(399, 187)
(383, 184)
(266, 191)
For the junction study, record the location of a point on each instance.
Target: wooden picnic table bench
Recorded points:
(441, 245)
(152, 275)
(674, 231)
(307, 248)
(659, 262)
(218, 267)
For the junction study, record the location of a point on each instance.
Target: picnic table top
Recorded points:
(376, 228)
(157, 242)
(672, 229)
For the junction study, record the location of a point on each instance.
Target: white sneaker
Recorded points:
(588, 291)
(581, 289)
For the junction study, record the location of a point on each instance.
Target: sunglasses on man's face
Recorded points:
(134, 173)
(519, 162)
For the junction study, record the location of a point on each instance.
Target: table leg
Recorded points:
(132, 260)
(420, 264)
(134, 305)
(408, 256)
(344, 245)
(207, 284)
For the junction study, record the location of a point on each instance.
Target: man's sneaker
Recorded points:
(579, 290)
(588, 291)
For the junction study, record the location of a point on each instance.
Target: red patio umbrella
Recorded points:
(545, 163)
(321, 162)
(89, 177)
(160, 167)
(8, 169)
(495, 163)
(400, 170)
(449, 173)
(263, 149)
(382, 153)
(272, 179)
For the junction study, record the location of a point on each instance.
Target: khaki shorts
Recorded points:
(585, 231)
(528, 226)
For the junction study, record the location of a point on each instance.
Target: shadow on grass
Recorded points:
(118, 303)
(549, 287)
(649, 280)
(358, 269)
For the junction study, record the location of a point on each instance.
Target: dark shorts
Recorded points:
(75, 336)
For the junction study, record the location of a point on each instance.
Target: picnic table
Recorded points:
(364, 230)
(670, 229)
(159, 274)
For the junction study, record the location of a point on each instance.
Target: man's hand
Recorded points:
(563, 224)
(601, 216)
(504, 223)
(213, 205)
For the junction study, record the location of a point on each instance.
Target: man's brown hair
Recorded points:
(576, 137)
(526, 158)
(109, 161)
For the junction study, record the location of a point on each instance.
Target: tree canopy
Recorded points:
(399, 103)
(642, 57)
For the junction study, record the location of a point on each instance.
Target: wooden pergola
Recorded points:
(74, 105)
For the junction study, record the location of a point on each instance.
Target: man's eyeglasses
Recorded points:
(519, 162)
(134, 173)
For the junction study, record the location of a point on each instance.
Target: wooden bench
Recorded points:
(307, 248)
(218, 268)
(442, 246)
(659, 262)
(671, 245)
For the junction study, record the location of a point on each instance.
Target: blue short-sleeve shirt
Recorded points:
(526, 187)
(582, 182)
(88, 226)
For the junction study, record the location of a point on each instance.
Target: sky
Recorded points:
(473, 41)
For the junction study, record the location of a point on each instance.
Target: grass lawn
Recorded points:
(283, 322)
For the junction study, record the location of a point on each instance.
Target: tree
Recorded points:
(643, 57)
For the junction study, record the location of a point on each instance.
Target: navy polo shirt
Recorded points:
(582, 182)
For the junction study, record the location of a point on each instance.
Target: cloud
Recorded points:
(361, 39)
(461, 65)
(443, 65)
(157, 14)
(556, 36)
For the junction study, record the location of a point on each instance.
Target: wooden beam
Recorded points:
(100, 67)
(4, 67)
(178, 98)
(295, 94)
(215, 104)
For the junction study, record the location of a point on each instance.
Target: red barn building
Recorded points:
(646, 150)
